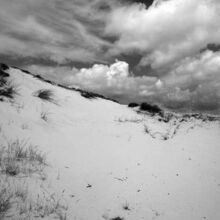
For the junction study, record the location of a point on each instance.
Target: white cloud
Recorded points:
(166, 32)
(192, 84)
(112, 80)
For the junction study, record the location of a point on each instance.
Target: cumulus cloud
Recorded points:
(111, 80)
(193, 84)
(166, 32)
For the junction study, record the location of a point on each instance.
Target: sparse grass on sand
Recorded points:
(19, 157)
(17, 201)
(7, 89)
(18, 161)
(126, 207)
(45, 95)
(44, 115)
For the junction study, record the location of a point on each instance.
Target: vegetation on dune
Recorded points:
(20, 158)
(150, 108)
(17, 201)
(133, 105)
(45, 95)
(4, 66)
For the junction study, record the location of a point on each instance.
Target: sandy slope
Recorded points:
(100, 157)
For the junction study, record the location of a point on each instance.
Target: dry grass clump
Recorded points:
(117, 218)
(44, 115)
(45, 95)
(7, 89)
(19, 199)
(44, 206)
(126, 206)
(5, 200)
(19, 157)
(16, 202)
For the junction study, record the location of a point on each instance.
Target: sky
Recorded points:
(165, 52)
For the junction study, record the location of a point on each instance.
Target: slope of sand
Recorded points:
(101, 162)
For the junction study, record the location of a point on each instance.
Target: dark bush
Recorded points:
(8, 92)
(45, 94)
(150, 108)
(132, 105)
(38, 76)
(3, 74)
(117, 218)
(4, 66)
(3, 82)
(89, 95)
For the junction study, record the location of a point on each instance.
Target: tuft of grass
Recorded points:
(21, 151)
(154, 109)
(5, 201)
(19, 157)
(4, 66)
(3, 82)
(126, 207)
(44, 116)
(8, 90)
(45, 95)
(117, 218)
(44, 206)
(11, 168)
(146, 129)
(17, 202)
(21, 192)
(89, 95)
(133, 105)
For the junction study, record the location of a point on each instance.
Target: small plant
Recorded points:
(44, 116)
(8, 91)
(45, 94)
(88, 95)
(44, 206)
(117, 218)
(150, 108)
(5, 204)
(5, 200)
(132, 120)
(4, 66)
(3, 74)
(11, 168)
(18, 157)
(133, 105)
(21, 192)
(126, 207)
(146, 129)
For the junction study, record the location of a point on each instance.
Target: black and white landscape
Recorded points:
(109, 110)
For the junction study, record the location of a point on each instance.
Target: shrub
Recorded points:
(4, 66)
(150, 108)
(3, 74)
(132, 105)
(3, 82)
(18, 157)
(45, 94)
(38, 76)
(126, 207)
(44, 115)
(89, 95)
(7, 90)
(5, 203)
(117, 218)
